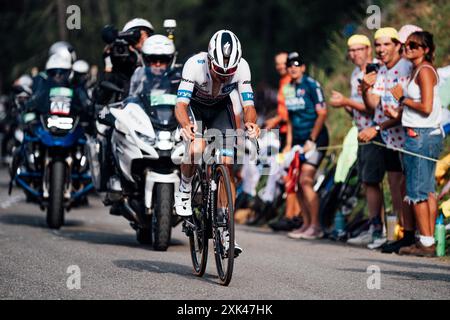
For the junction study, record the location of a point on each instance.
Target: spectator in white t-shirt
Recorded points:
(376, 95)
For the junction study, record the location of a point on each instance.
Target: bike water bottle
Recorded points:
(339, 222)
(440, 236)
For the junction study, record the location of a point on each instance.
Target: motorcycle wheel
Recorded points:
(162, 216)
(55, 210)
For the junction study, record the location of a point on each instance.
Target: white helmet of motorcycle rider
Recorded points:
(81, 66)
(158, 52)
(59, 66)
(80, 72)
(62, 45)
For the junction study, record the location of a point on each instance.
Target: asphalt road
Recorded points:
(34, 263)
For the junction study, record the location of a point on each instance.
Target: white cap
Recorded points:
(158, 45)
(60, 60)
(138, 22)
(406, 31)
(81, 66)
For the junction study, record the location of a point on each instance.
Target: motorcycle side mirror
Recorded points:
(110, 86)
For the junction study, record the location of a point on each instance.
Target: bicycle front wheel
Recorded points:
(223, 225)
(198, 238)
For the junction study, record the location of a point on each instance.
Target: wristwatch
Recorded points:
(377, 128)
(400, 101)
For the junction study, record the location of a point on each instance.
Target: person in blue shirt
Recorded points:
(307, 113)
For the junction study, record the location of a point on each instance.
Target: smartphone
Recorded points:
(372, 67)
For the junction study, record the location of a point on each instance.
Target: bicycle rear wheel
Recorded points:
(198, 238)
(223, 225)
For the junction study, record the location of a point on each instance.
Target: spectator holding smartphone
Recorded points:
(360, 54)
(377, 96)
(421, 118)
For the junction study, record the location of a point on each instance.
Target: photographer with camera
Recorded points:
(122, 56)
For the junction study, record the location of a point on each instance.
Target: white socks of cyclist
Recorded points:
(426, 241)
(186, 182)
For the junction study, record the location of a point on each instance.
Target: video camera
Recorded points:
(120, 41)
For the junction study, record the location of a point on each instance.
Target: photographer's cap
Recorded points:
(294, 59)
(358, 39)
(387, 32)
(138, 23)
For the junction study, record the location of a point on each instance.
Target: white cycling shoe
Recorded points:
(183, 203)
(225, 242)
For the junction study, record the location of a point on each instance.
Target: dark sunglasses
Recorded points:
(223, 72)
(148, 59)
(52, 73)
(413, 45)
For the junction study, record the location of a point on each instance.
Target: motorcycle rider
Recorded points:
(156, 75)
(58, 69)
(119, 69)
(58, 46)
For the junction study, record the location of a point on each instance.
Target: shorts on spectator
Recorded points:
(374, 161)
(419, 172)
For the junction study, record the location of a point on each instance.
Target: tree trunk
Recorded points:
(62, 7)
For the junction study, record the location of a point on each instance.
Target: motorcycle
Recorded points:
(147, 151)
(50, 165)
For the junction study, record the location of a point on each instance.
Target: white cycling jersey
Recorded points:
(197, 84)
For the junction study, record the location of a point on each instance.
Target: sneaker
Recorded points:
(395, 246)
(285, 224)
(183, 203)
(312, 233)
(365, 238)
(419, 250)
(377, 243)
(298, 233)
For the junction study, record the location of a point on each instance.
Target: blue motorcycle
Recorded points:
(50, 165)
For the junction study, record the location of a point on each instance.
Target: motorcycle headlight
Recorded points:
(145, 138)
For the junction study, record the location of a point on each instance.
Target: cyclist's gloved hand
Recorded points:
(253, 130)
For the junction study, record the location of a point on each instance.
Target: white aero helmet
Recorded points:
(60, 60)
(81, 66)
(62, 45)
(138, 23)
(158, 45)
(224, 52)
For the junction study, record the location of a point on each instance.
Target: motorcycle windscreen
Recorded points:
(162, 111)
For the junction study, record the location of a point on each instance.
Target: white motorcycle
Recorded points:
(147, 152)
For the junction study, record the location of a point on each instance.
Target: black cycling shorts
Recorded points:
(219, 116)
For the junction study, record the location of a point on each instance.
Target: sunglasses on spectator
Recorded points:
(413, 45)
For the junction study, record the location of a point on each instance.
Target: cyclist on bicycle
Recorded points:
(208, 78)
